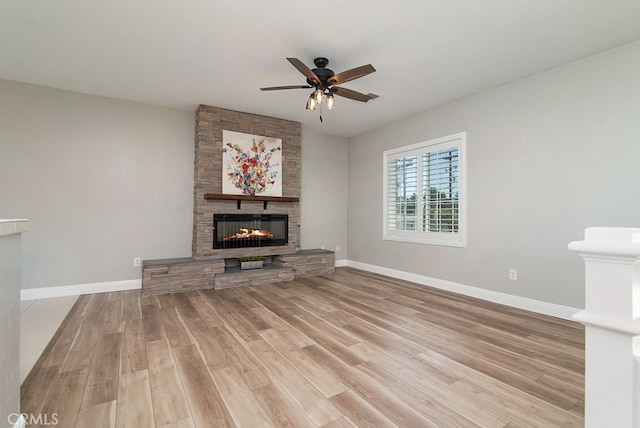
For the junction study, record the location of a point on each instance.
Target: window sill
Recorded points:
(456, 241)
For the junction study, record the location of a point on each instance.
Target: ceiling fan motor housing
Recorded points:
(323, 73)
(321, 62)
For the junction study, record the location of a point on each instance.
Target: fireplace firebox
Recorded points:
(250, 230)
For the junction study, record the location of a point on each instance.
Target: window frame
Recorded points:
(452, 239)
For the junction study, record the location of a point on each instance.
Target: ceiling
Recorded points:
(219, 52)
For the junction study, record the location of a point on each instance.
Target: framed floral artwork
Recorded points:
(251, 164)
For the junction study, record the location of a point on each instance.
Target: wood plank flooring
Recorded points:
(341, 350)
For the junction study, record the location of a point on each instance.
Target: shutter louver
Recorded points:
(402, 193)
(440, 191)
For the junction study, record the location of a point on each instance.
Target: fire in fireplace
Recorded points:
(250, 230)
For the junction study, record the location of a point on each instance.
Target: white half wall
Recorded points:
(10, 259)
(548, 156)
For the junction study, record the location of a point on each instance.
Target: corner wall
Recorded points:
(105, 180)
(101, 180)
(324, 202)
(548, 156)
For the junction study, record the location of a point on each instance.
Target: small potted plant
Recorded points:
(251, 262)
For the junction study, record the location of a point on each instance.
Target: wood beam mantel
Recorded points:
(240, 198)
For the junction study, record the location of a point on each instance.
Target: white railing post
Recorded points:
(612, 319)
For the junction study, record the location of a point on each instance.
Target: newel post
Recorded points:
(612, 319)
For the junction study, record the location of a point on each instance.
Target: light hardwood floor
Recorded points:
(341, 350)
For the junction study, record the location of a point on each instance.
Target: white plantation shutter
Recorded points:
(440, 191)
(424, 192)
(402, 186)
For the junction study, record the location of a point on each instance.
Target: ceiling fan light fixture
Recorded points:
(311, 102)
(330, 101)
(318, 96)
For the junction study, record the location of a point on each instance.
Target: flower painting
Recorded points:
(251, 164)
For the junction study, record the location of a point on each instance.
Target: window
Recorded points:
(424, 192)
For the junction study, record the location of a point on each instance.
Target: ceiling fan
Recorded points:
(325, 82)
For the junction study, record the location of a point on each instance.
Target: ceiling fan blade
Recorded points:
(352, 74)
(299, 65)
(348, 93)
(277, 88)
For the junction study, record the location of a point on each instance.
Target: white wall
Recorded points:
(324, 201)
(101, 180)
(547, 156)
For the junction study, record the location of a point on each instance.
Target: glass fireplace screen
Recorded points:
(250, 230)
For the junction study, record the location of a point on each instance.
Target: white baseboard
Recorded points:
(78, 289)
(551, 309)
(545, 308)
(341, 263)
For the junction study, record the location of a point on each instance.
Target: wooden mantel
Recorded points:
(240, 198)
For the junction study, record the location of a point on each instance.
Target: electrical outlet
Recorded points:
(136, 261)
(513, 274)
(337, 248)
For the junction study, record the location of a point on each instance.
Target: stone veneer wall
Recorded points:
(174, 275)
(210, 122)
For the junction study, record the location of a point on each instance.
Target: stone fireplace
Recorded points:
(210, 122)
(206, 267)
